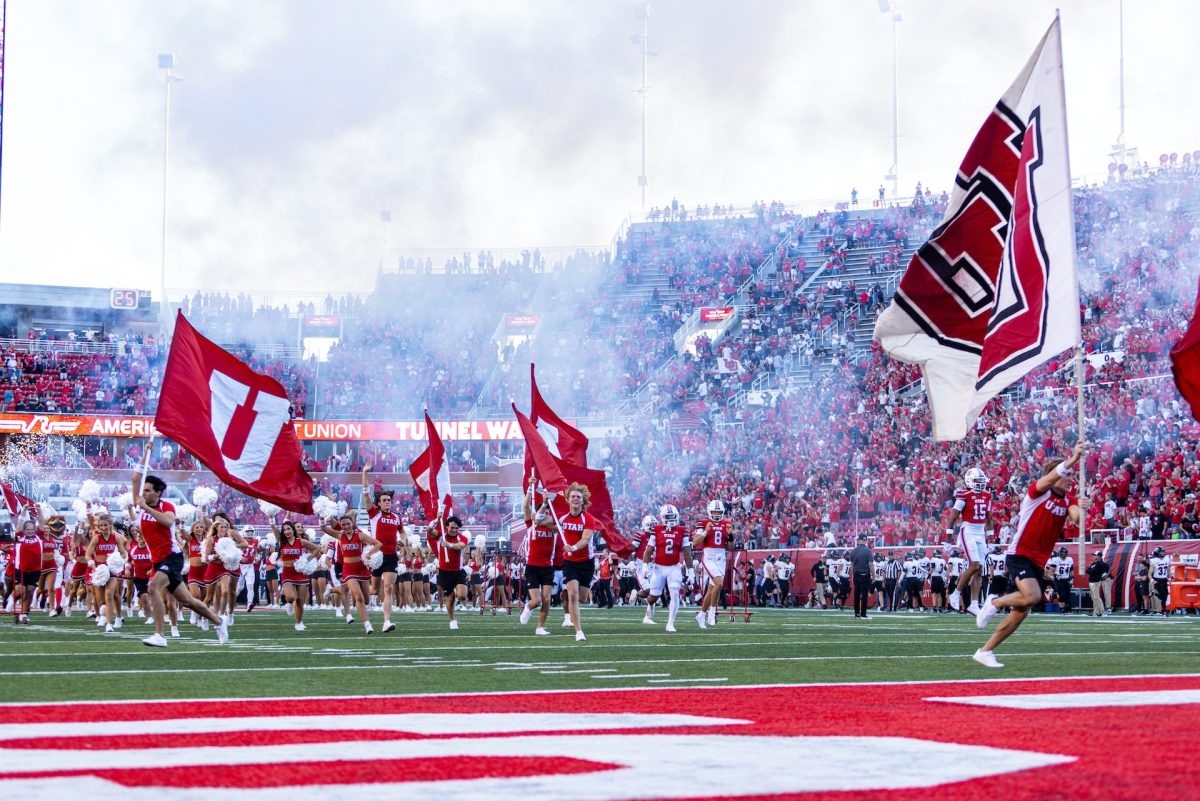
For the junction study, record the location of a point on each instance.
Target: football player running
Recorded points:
(667, 544)
(973, 507)
(715, 535)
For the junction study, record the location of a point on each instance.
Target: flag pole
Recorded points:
(1079, 365)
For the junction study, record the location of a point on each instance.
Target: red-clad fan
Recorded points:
(448, 541)
(542, 547)
(156, 518)
(1044, 511)
(356, 578)
(27, 568)
(105, 542)
(577, 527)
(714, 535)
(386, 528)
(665, 548)
(292, 546)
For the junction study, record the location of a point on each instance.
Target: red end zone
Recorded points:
(846, 741)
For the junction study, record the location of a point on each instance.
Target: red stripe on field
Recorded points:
(374, 771)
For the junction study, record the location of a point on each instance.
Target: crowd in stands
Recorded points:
(842, 443)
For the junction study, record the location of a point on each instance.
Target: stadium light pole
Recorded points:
(893, 7)
(385, 217)
(166, 62)
(644, 91)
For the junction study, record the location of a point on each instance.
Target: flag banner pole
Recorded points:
(1079, 366)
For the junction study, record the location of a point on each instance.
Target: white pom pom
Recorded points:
(59, 559)
(273, 559)
(271, 539)
(305, 565)
(229, 553)
(115, 562)
(414, 540)
(100, 575)
(204, 496)
(269, 509)
(481, 541)
(375, 560)
(185, 512)
(80, 507)
(341, 508)
(312, 534)
(46, 509)
(89, 492)
(125, 500)
(467, 569)
(328, 540)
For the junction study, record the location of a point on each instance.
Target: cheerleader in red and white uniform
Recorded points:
(192, 543)
(221, 580)
(291, 546)
(355, 577)
(105, 541)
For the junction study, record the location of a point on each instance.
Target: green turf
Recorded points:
(65, 659)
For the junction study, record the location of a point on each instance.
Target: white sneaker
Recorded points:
(54, 613)
(541, 632)
(712, 616)
(222, 632)
(956, 600)
(175, 631)
(155, 641)
(140, 613)
(192, 618)
(91, 614)
(150, 621)
(299, 627)
(119, 622)
(700, 620)
(349, 618)
(986, 612)
(670, 628)
(973, 608)
(367, 627)
(526, 613)
(100, 621)
(579, 636)
(986, 658)
(567, 624)
(108, 629)
(454, 625)
(389, 626)
(648, 621)
(204, 624)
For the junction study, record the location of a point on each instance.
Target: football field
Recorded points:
(795, 704)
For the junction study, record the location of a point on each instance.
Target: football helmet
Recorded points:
(1159, 551)
(669, 515)
(1062, 551)
(648, 523)
(716, 510)
(975, 480)
(937, 551)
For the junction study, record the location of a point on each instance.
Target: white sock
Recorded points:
(673, 609)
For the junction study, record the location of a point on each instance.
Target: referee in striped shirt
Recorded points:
(892, 573)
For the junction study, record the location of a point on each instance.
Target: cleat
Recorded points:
(579, 637)
(91, 614)
(986, 658)
(389, 626)
(956, 600)
(701, 621)
(155, 641)
(526, 613)
(986, 613)
(541, 632)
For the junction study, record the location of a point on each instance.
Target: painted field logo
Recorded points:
(801, 741)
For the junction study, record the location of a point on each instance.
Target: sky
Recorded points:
(505, 124)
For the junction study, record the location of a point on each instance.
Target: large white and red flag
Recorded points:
(431, 473)
(235, 421)
(14, 501)
(563, 439)
(993, 293)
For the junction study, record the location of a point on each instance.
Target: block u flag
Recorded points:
(993, 293)
(233, 420)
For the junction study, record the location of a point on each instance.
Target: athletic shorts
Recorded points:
(937, 585)
(1022, 567)
(539, 576)
(973, 541)
(714, 564)
(876, 586)
(172, 568)
(28, 578)
(141, 585)
(272, 575)
(447, 580)
(664, 576)
(405, 577)
(320, 574)
(390, 561)
(579, 571)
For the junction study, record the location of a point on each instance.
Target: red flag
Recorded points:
(564, 440)
(601, 505)
(539, 456)
(14, 501)
(431, 474)
(1185, 362)
(233, 420)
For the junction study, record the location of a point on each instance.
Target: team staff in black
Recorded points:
(1100, 584)
(860, 560)
(820, 576)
